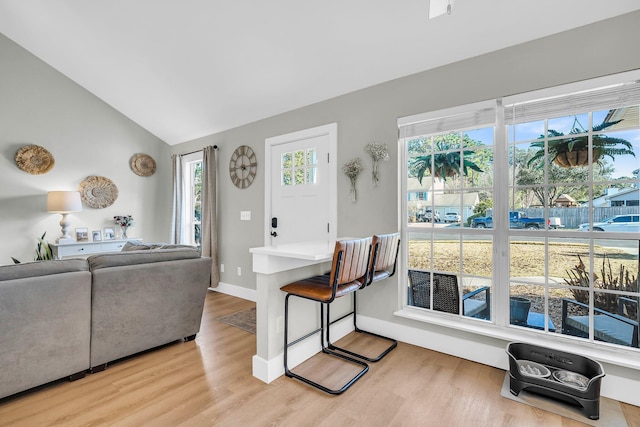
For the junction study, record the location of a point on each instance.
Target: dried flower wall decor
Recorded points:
(98, 192)
(378, 152)
(34, 159)
(143, 164)
(352, 169)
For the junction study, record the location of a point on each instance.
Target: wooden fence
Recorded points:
(570, 218)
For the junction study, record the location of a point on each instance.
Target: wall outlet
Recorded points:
(221, 268)
(239, 271)
(245, 215)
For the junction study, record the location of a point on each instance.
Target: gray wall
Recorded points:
(40, 106)
(370, 115)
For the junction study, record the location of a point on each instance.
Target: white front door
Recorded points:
(301, 198)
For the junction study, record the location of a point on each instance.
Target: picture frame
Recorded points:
(96, 235)
(82, 234)
(109, 233)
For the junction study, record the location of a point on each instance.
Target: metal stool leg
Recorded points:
(288, 344)
(334, 347)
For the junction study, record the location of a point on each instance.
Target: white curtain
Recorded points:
(177, 210)
(209, 219)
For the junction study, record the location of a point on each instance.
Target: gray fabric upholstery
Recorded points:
(41, 268)
(140, 246)
(145, 256)
(60, 318)
(144, 299)
(45, 318)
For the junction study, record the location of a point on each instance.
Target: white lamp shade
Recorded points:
(64, 201)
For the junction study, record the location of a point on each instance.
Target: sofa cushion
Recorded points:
(41, 268)
(140, 246)
(117, 259)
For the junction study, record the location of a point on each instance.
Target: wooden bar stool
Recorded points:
(383, 265)
(351, 259)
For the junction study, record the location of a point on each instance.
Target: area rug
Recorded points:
(611, 414)
(245, 320)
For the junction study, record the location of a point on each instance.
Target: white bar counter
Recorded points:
(276, 266)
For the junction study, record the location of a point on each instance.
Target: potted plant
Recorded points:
(445, 164)
(43, 250)
(573, 150)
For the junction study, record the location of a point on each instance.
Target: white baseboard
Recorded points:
(269, 370)
(236, 291)
(617, 386)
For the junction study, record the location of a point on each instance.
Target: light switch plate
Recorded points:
(245, 215)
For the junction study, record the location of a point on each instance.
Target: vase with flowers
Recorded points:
(378, 152)
(352, 169)
(124, 221)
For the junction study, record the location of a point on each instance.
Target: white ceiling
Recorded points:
(183, 69)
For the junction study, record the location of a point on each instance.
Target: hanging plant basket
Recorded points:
(448, 172)
(570, 159)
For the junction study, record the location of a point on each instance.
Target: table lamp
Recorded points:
(63, 202)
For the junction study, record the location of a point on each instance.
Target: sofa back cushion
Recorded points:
(41, 268)
(145, 256)
(140, 246)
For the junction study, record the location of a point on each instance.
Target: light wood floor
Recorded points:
(208, 382)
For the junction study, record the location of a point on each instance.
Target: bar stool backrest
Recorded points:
(351, 260)
(385, 255)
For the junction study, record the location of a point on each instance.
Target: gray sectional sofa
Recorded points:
(65, 318)
(45, 323)
(143, 299)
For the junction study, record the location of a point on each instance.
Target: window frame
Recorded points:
(499, 326)
(188, 163)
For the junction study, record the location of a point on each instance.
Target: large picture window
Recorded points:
(523, 213)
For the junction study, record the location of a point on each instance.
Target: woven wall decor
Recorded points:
(34, 159)
(143, 164)
(98, 192)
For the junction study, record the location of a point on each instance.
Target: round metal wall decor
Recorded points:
(98, 192)
(143, 164)
(34, 159)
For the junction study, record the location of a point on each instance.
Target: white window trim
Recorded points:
(499, 327)
(188, 223)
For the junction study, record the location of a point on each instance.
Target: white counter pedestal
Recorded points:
(276, 266)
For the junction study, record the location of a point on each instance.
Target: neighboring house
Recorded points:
(565, 201)
(625, 197)
(616, 197)
(435, 198)
(419, 191)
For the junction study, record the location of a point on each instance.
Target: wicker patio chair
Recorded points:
(446, 295)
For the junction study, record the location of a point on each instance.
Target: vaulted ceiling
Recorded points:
(183, 69)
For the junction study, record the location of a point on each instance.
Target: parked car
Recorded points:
(622, 223)
(452, 217)
(427, 215)
(517, 220)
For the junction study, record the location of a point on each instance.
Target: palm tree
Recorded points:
(445, 165)
(574, 150)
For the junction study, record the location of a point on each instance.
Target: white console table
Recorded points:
(79, 249)
(275, 266)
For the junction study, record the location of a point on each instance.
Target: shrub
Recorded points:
(621, 280)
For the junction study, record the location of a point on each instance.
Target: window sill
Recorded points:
(602, 352)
